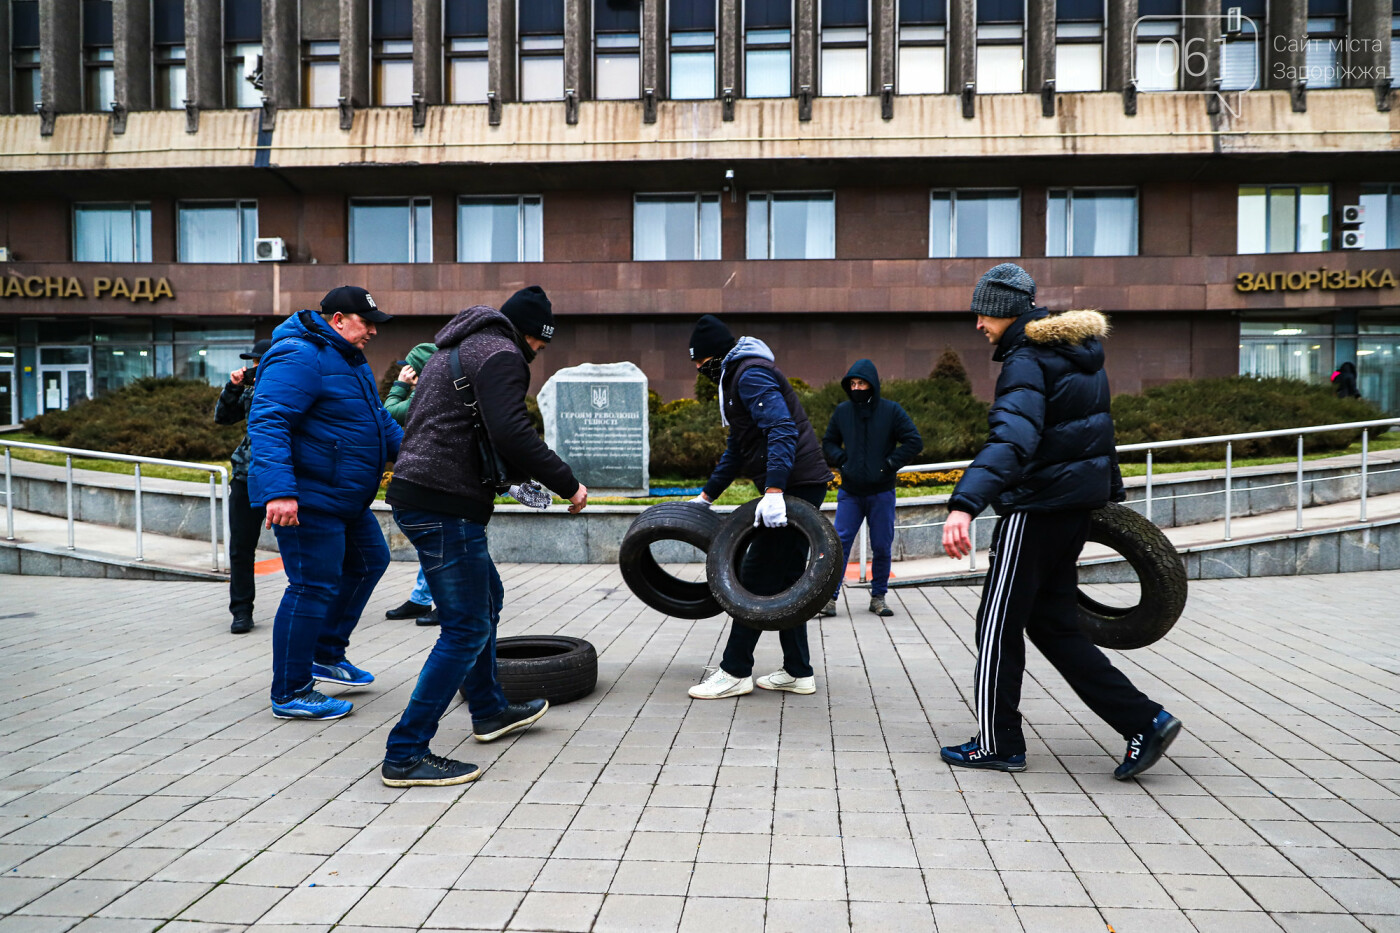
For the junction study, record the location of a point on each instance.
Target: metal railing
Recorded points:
(1227, 439)
(218, 482)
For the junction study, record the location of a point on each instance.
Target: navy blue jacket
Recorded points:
(1051, 446)
(318, 430)
(869, 441)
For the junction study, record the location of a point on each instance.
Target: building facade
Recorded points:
(830, 175)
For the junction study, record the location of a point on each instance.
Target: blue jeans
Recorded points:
(421, 594)
(878, 512)
(453, 554)
(332, 565)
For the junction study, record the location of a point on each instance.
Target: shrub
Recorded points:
(951, 421)
(1235, 405)
(687, 438)
(170, 418)
(705, 390)
(950, 369)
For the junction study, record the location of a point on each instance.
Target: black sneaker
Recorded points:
(409, 610)
(429, 618)
(242, 624)
(429, 771)
(516, 716)
(971, 754)
(1145, 748)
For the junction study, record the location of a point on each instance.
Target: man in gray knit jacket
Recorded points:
(442, 504)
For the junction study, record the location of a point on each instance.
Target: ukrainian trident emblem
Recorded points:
(598, 395)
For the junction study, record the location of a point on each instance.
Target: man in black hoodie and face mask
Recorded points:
(868, 439)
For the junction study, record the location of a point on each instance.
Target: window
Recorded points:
(1157, 65)
(24, 55)
(974, 223)
(1091, 222)
(217, 231)
(617, 50)
(468, 79)
(1284, 219)
(1395, 51)
(1239, 52)
(1000, 59)
(1382, 224)
(1079, 45)
(675, 226)
(845, 69)
(321, 81)
(920, 67)
(244, 82)
(792, 225)
(208, 350)
(1377, 356)
(767, 48)
(1286, 350)
(391, 230)
(692, 24)
(170, 77)
(99, 82)
(393, 72)
(500, 229)
(541, 24)
(1326, 37)
(112, 233)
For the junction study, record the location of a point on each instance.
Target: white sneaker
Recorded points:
(782, 680)
(719, 685)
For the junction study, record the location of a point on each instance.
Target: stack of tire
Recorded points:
(725, 540)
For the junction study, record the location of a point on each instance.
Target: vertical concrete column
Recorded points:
(354, 53)
(60, 56)
(5, 64)
(131, 53)
(1200, 35)
(1369, 63)
(883, 30)
(806, 44)
(427, 50)
(1118, 50)
(654, 35)
(1040, 44)
(962, 44)
(730, 51)
(204, 53)
(578, 49)
(501, 45)
(281, 53)
(1284, 51)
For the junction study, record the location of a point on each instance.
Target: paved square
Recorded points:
(144, 780)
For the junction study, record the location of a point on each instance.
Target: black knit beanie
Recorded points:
(1005, 290)
(710, 338)
(531, 313)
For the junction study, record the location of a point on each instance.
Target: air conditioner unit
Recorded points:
(270, 249)
(4, 254)
(1353, 214)
(1353, 239)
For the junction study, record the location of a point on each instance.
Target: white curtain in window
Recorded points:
(756, 232)
(844, 73)
(1105, 223)
(1078, 67)
(112, 233)
(1157, 65)
(323, 86)
(1314, 218)
(490, 230)
(940, 225)
(170, 91)
(768, 73)
(469, 80)
(1057, 224)
(241, 91)
(921, 70)
(395, 83)
(692, 75)
(380, 231)
(803, 227)
(1252, 221)
(999, 69)
(542, 78)
(209, 233)
(988, 224)
(1239, 65)
(619, 76)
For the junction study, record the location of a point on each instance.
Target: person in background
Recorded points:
(772, 441)
(320, 440)
(245, 522)
(868, 439)
(1344, 381)
(420, 602)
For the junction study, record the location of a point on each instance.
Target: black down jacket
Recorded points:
(1051, 444)
(869, 441)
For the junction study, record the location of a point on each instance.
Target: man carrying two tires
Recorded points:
(772, 441)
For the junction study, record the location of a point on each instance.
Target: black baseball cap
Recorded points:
(351, 299)
(259, 348)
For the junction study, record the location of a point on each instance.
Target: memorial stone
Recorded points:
(595, 418)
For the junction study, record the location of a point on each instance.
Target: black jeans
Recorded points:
(775, 561)
(245, 525)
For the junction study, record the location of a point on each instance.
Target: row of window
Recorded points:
(963, 223)
(1162, 54)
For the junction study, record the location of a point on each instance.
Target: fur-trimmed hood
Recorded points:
(1068, 327)
(1071, 334)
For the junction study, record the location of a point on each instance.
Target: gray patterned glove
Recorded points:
(531, 495)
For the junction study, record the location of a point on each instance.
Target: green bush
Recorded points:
(952, 422)
(170, 418)
(687, 438)
(1235, 405)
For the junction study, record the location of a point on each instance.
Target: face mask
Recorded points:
(861, 396)
(712, 368)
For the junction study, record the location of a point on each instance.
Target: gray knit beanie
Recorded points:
(1006, 290)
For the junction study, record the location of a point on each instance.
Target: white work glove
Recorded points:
(700, 500)
(771, 512)
(531, 495)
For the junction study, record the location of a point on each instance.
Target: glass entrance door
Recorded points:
(65, 376)
(9, 394)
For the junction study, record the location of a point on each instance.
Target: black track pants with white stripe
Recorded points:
(1030, 589)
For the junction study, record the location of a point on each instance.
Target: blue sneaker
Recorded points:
(343, 673)
(312, 705)
(1145, 748)
(971, 754)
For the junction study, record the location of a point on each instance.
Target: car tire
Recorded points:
(1161, 581)
(556, 668)
(794, 605)
(688, 522)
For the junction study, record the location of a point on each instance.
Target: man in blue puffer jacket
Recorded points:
(1049, 461)
(320, 439)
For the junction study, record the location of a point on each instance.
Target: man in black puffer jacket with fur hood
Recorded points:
(1048, 463)
(442, 505)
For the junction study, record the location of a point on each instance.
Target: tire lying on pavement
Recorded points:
(794, 605)
(1161, 581)
(555, 667)
(670, 521)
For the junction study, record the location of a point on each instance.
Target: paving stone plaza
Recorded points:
(145, 785)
